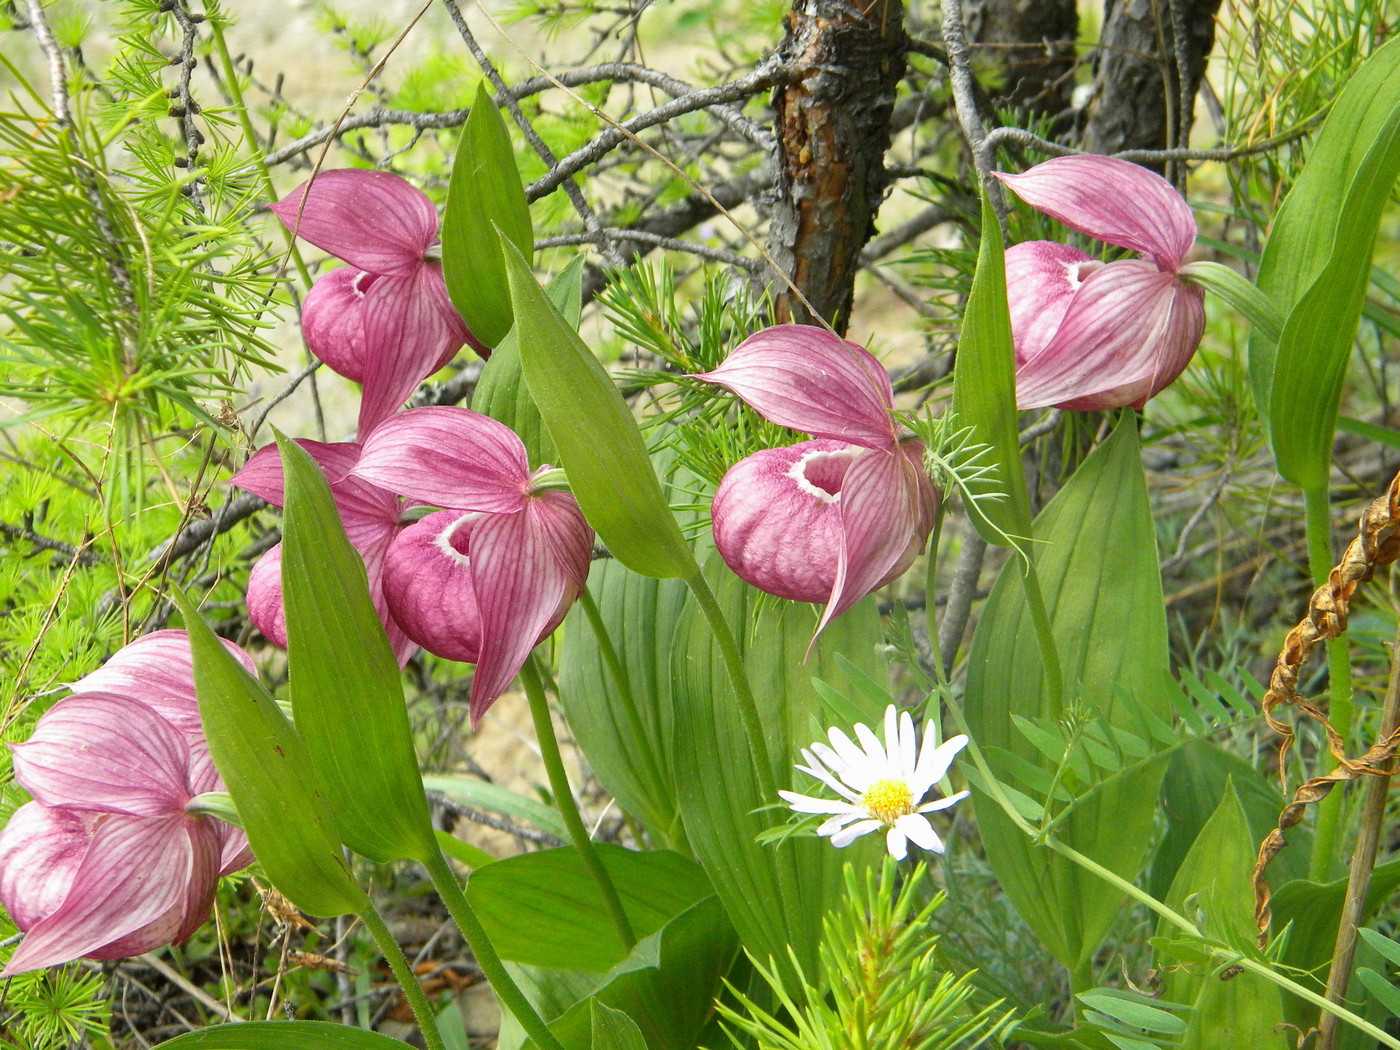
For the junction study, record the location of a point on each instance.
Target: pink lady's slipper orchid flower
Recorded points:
(386, 320)
(828, 520)
(493, 575)
(109, 860)
(371, 518)
(1094, 335)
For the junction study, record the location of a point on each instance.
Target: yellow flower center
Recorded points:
(887, 800)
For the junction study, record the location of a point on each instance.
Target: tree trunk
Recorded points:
(1150, 60)
(833, 127)
(1030, 45)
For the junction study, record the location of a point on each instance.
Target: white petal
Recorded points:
(942, 803)
(836, 823)
(851, 756)
(848, 835)
(819, 771)
(920, 832)
(896, 843)
(907, 746)
(934, 762)
(810, 804)
(875, 753)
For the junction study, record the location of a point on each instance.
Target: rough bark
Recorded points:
(833, 124)
(1148, 68)
(1029, 45)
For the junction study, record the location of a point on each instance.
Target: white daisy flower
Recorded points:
(881, 785)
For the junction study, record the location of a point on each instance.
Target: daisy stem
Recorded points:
(479, 941)
(412, 990)
(564, 801)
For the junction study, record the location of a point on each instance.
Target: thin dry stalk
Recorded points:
(1377, 545)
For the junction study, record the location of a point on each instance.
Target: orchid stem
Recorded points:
(1339, 708)
(1045, 639)
(508, 993)
(564, 802)
(412, 990)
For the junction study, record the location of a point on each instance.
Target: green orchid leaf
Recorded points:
(1095, 554)
(269, 774)
(1213, 884)
(776, 894)
(600, 446)
(485, 193)
(984, 390)
(282, 1035)
(1316, 267)
(501, 392)
(343, 673)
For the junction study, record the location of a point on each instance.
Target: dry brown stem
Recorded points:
(1377, 544)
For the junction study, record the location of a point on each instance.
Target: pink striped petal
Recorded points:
(262, 474)
(1113, 200)
(134, 891)
(156, 669)
(41, 850)
(450, 457)
(332, 320)
(1041, 279)
(520, 587)
(428, 585)
(405, 337)
(373, 220)
(1128, 333)
(808, 379)
(777, 518)
(104, 752)
(882, 525)
(264, 598)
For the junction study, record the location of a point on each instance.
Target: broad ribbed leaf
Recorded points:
(776, 895)
(613, 1029)
(1213, 885)
(632, 761)
(501, 392)
(984, 389)
(346, 692)
(1095, 553)
(485, 193)
(1316, 267)
(545, 910)
(600, 446)
(270, 777)
(282, 1035)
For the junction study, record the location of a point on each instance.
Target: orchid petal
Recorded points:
(105, 752)
(777, 517)
(262, 474)
(157, 670)
(520, 585)
(808, 379)
(374, 220)
(41, 850)
(1041, 280)
(881, 525)
(332, 320)
(405, 336)
(264, 597)
(1114, 201)
(428, 586)
(134, 879)
(1128, 333)
(450, 457)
